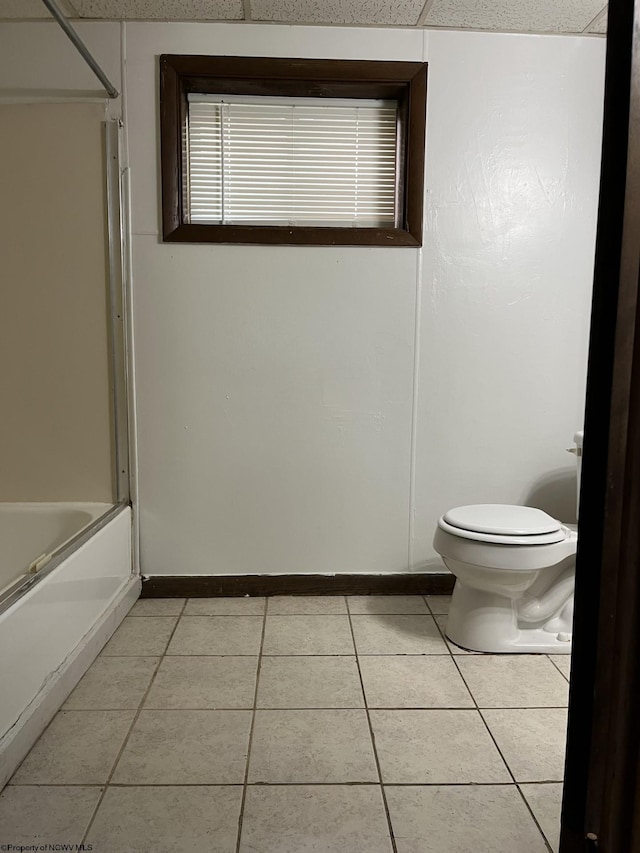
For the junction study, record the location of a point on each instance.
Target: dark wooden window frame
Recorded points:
(405, 82)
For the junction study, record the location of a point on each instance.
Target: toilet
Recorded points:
(515, 571)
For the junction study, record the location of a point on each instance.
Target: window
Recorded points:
(291, 161)
(292, 151)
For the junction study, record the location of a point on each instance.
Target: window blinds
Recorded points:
(306, 161)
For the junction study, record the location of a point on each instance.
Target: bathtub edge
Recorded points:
(16, 742)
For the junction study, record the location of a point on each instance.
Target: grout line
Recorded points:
(495, 742)
(373, 743)
(535, 819)
(298, 655)
(212, 616)
(455, 662)
(253, 720)
(425, 612)
(333, 708)
(128, 735)
(563, 674)
(548, 842)
(290, 655)
(484, 721)
(430, 608)
(284, 784)
(348, 610)
(131, 657)
(444, 638)
(269, 613)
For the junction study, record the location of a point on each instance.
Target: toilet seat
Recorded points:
(503, 524)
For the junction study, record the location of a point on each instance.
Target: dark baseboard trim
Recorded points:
(212, 586)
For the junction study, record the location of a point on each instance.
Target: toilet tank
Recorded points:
(578, 438)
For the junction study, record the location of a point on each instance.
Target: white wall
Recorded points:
(513, 153)
(276, 385)
(288, 421)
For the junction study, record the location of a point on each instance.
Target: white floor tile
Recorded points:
(462, 819)
(238, 606)
(532, 741)
(186, 748)
(39, 815)
(435, 747)
(157, 607)
(563, 662)
(312, 746)
(315, 819)
(309, 682)
(178, 783)
(391, 604)
(546, 804)
(141, 637)
(397, 635)
(308, 635)
(413, 681)
(514, 681)
(78, 748)
(113, 684)
(167, 820)
(300, 605)
(203, 682)
(438, 604)
(217, 635)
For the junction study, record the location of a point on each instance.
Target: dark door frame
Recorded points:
(601, 806)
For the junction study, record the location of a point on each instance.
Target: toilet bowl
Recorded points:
(515, 571)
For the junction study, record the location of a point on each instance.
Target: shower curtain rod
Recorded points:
(82, 49)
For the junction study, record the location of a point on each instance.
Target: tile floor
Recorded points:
(285, 725)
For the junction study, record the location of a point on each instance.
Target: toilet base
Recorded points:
(486, 622)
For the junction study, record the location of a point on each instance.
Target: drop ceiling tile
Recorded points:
(527, 16)
(600, 24)
(28, 9)
(183, 10)
(391, 12)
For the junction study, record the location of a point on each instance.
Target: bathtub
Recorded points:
(31, 533)
(56, 617)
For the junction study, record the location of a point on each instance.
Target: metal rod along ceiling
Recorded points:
(80, 46)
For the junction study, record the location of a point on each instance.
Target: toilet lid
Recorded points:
(482, 515)
(502, 520)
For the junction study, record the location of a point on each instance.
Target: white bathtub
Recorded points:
(54, 622)
(31, 532)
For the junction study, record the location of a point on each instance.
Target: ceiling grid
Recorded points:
(569, 17)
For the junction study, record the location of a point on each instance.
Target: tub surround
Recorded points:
(56, 427)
